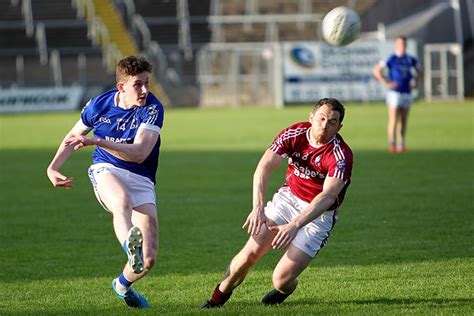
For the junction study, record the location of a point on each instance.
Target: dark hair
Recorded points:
(131, 66)
(402, 37)
(333, 104)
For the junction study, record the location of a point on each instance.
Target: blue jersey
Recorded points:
(400, 71)
(113, 123)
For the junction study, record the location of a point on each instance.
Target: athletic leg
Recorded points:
(144, 219)
(114, 196)
(240, 265)
(290, 266)
(285, 275)
(135, 229)
(391, 127)
(403, 128)
(306, 245)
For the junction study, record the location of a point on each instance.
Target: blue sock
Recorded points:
(124, 246)
(124, 281)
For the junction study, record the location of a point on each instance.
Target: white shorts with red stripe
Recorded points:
(285, 206)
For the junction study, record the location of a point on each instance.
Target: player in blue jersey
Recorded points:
(400, 82)
(126, 123)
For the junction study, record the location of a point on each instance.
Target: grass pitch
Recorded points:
(403, 243)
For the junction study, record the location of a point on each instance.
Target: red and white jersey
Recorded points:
(308, 166)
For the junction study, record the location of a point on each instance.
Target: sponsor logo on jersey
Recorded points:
(305, 172)
(105, 120)
(121, 140)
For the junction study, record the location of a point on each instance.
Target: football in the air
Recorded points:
(341, 26)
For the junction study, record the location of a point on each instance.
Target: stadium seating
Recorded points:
(43, 10)
(206, 21)
(71, 36)
(81, 59)
(22, 64)
(13, 38)
(161, 19)
(9, 13)
(291, 20)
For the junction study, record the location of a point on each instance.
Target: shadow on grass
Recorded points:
(391, 301)
(400, 208)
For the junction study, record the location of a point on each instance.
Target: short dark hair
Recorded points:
(333, 104)
(131, 66)
(402, 37)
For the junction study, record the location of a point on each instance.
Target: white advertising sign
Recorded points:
(40, 99)
(316, 70)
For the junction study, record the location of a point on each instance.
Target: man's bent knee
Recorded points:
(249, 258)
(150, 257)
(119, 207)
(283, 283)
(149, 262)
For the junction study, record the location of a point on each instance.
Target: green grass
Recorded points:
(403, 244)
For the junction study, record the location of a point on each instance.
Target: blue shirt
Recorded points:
(113, 123)
(400, 71)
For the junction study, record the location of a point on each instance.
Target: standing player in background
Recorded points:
(399, 98)
(303, 212)
(126, 121)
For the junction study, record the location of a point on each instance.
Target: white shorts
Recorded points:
(141, 189)
(399, 100)
(285, 206)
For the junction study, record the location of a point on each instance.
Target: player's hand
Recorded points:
(254, 221)
(285, 235)
(79, 141)
(392, 85)
(59, 180)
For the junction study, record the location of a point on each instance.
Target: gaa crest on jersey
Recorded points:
(341, 164)
(152, 109)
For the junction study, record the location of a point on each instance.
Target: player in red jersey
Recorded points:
(303, 212)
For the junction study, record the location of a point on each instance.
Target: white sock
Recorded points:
(121, 289)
